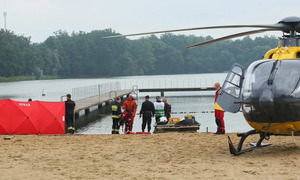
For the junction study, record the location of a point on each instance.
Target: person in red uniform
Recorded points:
(130, 106)
(219, 114)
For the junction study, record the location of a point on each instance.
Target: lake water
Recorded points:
(99, 122)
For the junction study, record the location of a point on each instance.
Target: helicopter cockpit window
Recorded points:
(257, 74)
(285, 83)
(230, 94)
(237, 70)
(232, 86)
(231, 89)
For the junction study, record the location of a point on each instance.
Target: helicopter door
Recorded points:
(229, 98)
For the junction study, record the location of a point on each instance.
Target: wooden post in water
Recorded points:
(99, 91)
(76, 114)
(162, 93)
(87, 111)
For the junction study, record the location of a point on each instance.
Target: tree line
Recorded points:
(87, 54)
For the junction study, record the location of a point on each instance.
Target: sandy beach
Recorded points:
(158, 156)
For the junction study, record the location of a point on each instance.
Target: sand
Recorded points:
(158, 156)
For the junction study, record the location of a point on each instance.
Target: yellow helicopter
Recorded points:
(269, 91)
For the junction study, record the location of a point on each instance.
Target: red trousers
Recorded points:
(129, 124)
(220, 120)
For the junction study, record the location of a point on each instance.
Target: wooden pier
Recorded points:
(86, 103)
(163, 90)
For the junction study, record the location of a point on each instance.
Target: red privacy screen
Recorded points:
(34, 117)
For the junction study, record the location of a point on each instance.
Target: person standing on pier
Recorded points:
(159, 109)
(219, 113)
(147, 111)
(130, 105)
(116, 114)
(70, 106)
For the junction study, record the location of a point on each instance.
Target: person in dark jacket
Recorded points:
(70, 106)
(167, 109)
(147, 111)
(116, 115)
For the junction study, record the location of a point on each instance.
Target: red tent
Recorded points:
(35, 117)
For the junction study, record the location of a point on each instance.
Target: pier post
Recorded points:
(106, 103)
(76, 114)
(99, 106)
(162, 93)
(87, 111)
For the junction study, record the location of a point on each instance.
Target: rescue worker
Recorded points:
(116, 114)
(159, 109)
(130, 106)
(219, 112)
(70, 106)
(147, 111)
(167, 109)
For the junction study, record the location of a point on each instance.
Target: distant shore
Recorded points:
(26, 78)
(155, 156)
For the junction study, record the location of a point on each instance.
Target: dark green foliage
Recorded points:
(84, 54)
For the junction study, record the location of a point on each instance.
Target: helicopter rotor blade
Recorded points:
(232, 36)
(272, 26)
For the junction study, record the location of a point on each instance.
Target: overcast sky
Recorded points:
(40, 18)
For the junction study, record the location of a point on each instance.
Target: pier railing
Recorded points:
(94, 90)
(171, 83)
(98, 89)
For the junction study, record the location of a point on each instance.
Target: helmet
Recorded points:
(130, 96)
(163, 120)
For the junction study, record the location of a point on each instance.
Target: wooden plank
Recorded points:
(175, 128)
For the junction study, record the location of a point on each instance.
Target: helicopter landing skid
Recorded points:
(243, 136)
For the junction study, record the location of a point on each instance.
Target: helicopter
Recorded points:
(268, 92)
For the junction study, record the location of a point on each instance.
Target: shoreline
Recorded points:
(30, 78)
(26, 78)
(155, 156)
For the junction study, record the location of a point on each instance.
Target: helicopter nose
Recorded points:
(266, 100)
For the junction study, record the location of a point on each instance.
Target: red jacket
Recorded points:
(217, 94)
(216, 97)
(131, 106)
